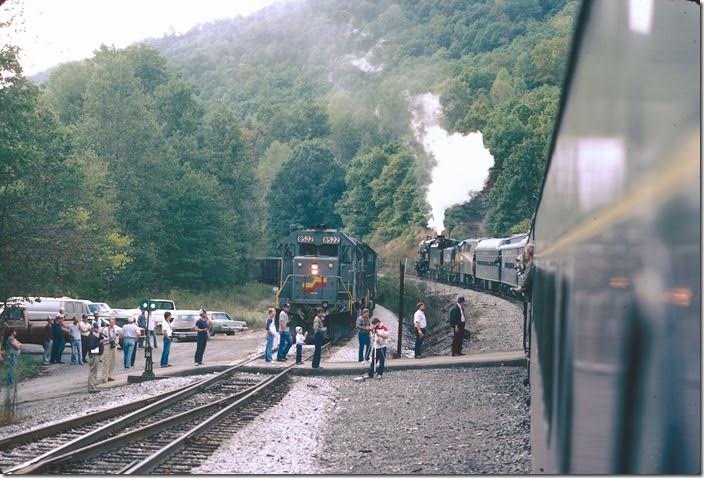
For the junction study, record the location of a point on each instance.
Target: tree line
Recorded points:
(169, 164)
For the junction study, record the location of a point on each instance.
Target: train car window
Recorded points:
(288, 251)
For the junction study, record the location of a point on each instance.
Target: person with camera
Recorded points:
(363, 328)
(379, 335)
(109, 338)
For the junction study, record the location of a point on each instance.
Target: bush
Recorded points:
(247, 302)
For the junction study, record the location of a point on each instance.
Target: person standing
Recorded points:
(48, 341)
(285, 341)
(142, 323)
(457, 322)
(167, 331)
(525, 286)
(151, 328)
(95, 350)
(130, 334)
(270, 334)
(110, 333)
(58, 328)
(14, 354)
(421, 324)
(85, 332)
(74, 331)
(96, 320)
(202, 326)
(319, 329)
(363, 328)
(300, 340)
(379, 335)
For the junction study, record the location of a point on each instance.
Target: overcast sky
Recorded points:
(50, 32)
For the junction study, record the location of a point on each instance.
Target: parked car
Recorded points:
(103, 309)
(224, 324)
(183, 325)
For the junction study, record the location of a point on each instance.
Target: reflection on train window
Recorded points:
(544, 313)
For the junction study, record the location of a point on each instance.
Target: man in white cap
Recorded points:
(457, 322)
(130, 334)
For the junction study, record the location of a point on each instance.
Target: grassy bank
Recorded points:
(28, 366)
(247, 302)
(414, 292)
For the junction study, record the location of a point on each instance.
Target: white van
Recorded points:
(29, 319)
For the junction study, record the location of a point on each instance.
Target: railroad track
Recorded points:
(151, 438)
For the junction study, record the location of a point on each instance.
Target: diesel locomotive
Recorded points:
(321, 267)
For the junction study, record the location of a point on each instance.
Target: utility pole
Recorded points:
(402, 269)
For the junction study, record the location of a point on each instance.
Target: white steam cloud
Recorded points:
(461, 162)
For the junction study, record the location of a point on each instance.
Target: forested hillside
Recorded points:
(168, 164)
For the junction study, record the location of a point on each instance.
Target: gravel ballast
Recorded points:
(444, 421)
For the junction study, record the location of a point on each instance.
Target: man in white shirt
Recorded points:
(151, 328)
(420, 323)
(74, 331)
(167, 331)
(130, 334)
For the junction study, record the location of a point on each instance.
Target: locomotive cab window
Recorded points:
(323, 250)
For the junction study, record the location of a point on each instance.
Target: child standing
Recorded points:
(300, 340)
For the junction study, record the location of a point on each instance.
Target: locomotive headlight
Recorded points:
(330, 265)
(299, 264)
(314, 269)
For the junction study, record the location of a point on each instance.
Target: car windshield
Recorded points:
(187, 318)
(100, 308)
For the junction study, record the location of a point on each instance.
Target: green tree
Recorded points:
(306, 189)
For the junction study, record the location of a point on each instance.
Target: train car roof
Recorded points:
(516, 244)
(491, 244)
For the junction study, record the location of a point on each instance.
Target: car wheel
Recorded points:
(211, 332)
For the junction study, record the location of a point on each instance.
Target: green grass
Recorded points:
(247, 302)
(27, 367)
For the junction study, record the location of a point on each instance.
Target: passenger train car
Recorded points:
(614, 321)
(488, 263)
(616, 336)
(320, 267)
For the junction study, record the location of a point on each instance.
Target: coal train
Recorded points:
(615, 312)
(321, 267)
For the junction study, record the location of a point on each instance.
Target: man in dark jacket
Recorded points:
(95, 350)
(457, 322)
